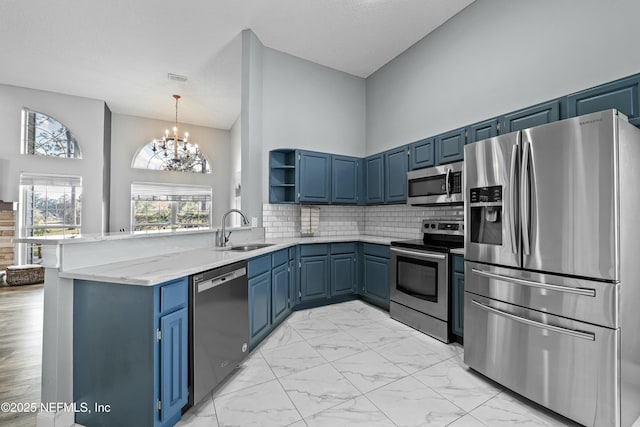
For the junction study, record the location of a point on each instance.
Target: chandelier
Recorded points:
(177, 153)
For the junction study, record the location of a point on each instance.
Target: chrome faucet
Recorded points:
(221, 239)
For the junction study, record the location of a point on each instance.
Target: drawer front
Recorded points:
(292, 252)
(315, 249)
(376, 250)
(279, 257)
(343, 248)
(258, 265)
(458, 263)
(583, 300)
(571, 369)
(174, 295)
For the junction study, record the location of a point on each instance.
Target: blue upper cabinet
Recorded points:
(374, 179)
(345, 179)
(282, 176)
(533, 116)
(422, 154)
(621, 95)
(450, 146)
(313, 171)
(482, 130)
(396, 162)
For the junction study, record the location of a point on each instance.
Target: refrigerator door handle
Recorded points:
(571, 332)
(559, 288)
(525, 197)
(512, 197)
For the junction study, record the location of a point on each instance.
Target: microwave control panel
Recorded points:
(456, 185)
(486, 194)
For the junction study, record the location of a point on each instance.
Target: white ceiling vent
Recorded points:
(176, 77)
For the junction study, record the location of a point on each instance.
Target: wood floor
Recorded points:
(20, 350)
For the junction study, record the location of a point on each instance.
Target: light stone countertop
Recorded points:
(154, 270)
(100, 237)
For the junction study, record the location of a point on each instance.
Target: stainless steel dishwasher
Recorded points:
(219, 327)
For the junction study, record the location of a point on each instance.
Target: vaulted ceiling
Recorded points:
(121, 51)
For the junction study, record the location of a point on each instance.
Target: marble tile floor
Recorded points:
(350, 364)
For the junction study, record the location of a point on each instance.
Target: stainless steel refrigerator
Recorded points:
(552, 265)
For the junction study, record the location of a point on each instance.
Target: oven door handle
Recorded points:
(421, 255)
(566, 289)
(571, 332)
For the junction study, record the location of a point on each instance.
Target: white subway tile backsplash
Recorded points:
(400, 221)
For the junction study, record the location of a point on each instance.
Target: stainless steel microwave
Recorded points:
(437, 185)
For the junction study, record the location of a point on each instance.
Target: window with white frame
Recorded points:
(49, 205)
(156, 207)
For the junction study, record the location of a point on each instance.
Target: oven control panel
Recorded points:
(442, 227)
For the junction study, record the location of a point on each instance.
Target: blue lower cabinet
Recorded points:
(280, 288)
(457, 295)
(259, 307)
(135, 361)
(375, 276)
(457, 304)
(173, 363)
(343, 274)
(314, 277)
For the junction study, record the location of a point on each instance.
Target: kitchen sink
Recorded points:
(250, 247)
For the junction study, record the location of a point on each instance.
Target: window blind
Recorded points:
(28, 178)
(169, 192)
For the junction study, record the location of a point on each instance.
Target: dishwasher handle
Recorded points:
(221, 280)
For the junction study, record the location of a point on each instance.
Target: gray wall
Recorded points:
(235, 169)
(84, 117)
(309, 106)
(251, 126)
(129, 133)
(497, 56)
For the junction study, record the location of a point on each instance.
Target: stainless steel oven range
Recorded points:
(419, 294)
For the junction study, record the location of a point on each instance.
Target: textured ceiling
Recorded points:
(120, 51)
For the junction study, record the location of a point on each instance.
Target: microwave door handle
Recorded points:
(512, 197)
(447, 185)
(525, 197)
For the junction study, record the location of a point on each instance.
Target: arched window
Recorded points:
(43, 135)
(163, 155)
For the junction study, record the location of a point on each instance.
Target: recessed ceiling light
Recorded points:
(176, 77)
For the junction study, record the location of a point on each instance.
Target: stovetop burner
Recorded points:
(438, 236)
